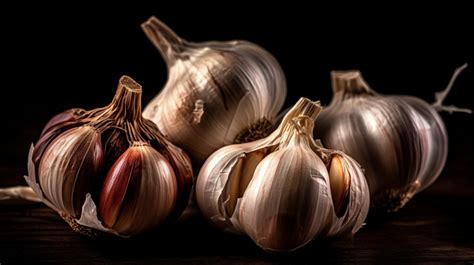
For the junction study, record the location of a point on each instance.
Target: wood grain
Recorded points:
(433, 227)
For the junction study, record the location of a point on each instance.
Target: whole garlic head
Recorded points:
(400, 141)
(217, 93)
(110, 169)
(286, 189)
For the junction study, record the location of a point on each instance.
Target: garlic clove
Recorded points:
(340, 183)
(181, 163)
(240, 177)
(139, 191)
(57, 125)
(350, 217)
(61, 118)
(45, 141)
(68, 168)
(251, 162)
(233, 187)
(212, 185)
(126, 169)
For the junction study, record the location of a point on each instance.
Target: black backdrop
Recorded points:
(57, 57)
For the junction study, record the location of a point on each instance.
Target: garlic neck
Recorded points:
(170, 45)
(304, 107)
(299, 129)
(126, 104)
(349, 82)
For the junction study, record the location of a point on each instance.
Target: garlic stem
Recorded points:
(126, 103)
(441, 96)
(349, 81)
(304, 107)
(165, 40)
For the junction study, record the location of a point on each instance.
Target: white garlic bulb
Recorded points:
(400, 141)
(217, 93)
(284, 190)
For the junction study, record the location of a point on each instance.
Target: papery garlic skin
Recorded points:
(70, 115)
(400, 141)
(213, 179)
(217, 93)
(113, 156)
(350, 220)
(69, 166)
(287, 203)
(277, 190)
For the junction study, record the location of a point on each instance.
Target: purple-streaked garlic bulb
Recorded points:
(110, 169)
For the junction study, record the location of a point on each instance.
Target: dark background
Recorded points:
(57, 57)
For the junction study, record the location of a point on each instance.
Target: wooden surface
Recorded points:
(435, 226)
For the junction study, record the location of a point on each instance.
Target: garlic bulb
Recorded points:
(400, 141)
(284, 190)
(217, 93)
(115, 157)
